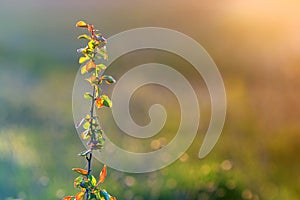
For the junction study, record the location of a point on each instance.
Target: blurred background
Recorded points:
(256, 47)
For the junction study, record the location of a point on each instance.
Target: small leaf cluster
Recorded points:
(88, 182)
(94, 50)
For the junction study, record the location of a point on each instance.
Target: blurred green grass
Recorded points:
(257, 55)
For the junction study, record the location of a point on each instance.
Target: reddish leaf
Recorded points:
(99, 102)
(92, 80)
(79, 195)
(91, 28)
(103, 101)
(90, 65)
(68, 198)
(102, 174)
(85, 134)
(80, 171)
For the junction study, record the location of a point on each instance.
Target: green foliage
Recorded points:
(108, 79)
(88, 96)
(103, 100)
(87, 182)
(95, 49)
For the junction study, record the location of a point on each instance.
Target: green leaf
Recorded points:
(100, 141)
(83, 59)
(92, 180)
(84, 36)
(86, 125)
(101, 66)
(108, 79)
(93, 196)
(98, 194)
(77, 181)
(88, 96)
(84, 184)
(106, 101)
(102, 52)
(103, 101)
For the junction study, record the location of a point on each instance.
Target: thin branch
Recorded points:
(89, 161)
(93, 138)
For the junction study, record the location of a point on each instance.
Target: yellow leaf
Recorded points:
(82, 24)
(101, 66)
(83, 59)
(97, 90)
(84, 36)
(92, 180)
(83, 69)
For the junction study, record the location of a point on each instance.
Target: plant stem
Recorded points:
(93, 138)
(89, 161)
